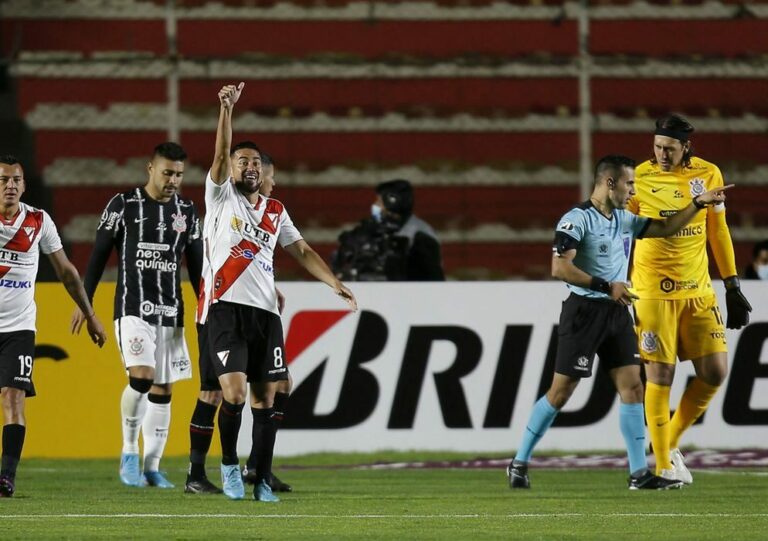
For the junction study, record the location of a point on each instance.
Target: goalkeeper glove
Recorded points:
(737, 304)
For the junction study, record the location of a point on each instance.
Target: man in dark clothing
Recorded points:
(393, 244)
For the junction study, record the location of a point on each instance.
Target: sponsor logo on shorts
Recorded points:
(180, 365)
(277, 370)
(582, 363)
(717, 334)
(649, 341)
(22, 379)
(136, 345)
(151, 309)
(223, 357)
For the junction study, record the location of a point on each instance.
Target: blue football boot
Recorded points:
(157, 479)
(262, 493)
(232, 482)
(130, 474)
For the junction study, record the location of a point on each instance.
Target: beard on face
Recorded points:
(249, 182)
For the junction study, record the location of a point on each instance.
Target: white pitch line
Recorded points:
(377, 516)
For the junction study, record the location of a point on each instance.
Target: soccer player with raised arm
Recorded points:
(152, 228)
(245, 333)
(25, 232)
(677, 315)
(591, 253)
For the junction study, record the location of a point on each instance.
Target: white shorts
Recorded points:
(162, 348)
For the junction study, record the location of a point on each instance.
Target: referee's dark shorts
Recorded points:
(591, 326)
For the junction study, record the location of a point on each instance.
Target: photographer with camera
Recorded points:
(392, 244)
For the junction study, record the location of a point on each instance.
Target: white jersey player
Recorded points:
(25, 232)
(244, 329)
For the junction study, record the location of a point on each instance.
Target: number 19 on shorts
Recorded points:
(25, 365)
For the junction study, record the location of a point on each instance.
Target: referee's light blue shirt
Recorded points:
(604, 244)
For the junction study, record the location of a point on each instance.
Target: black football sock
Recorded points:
(230, 416)
(278, 415)
(200, 436)
(13, 441)
(263, 444)
(253, 458)
(281, 400)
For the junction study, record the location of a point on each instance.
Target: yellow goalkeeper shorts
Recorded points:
(679, 328)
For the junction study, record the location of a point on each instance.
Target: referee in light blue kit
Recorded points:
(591, 251)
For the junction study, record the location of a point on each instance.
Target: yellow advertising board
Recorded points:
(76, 412)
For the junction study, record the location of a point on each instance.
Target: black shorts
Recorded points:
(17, 358)
(246, 339)
(209, 381)
(594, 326)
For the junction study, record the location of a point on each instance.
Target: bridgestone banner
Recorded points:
(458, 366)
(441, 366)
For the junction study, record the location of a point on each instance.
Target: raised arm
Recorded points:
(673, 224)
(315, 265)
(220, 167)
(67, 273)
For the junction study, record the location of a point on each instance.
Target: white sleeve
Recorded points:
(287, 233)
(49, 236)
(216, 193)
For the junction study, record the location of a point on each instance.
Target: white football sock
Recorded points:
(133, 404)
(155, 432)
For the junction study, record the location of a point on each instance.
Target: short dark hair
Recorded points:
(397, 196)
(9, 159)
(245, 144)
(170, 151)
(266, 159)
(677, 123)
(759, 247)
(612, 165)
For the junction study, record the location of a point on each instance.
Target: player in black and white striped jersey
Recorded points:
(152, 228)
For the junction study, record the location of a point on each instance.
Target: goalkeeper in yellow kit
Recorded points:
(677, 315)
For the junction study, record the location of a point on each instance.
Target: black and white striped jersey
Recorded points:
(150, 238)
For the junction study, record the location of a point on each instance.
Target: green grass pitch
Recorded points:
(83, 499)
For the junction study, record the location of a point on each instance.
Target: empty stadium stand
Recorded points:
(476, 101)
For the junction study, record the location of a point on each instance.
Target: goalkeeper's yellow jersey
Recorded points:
(675, 267)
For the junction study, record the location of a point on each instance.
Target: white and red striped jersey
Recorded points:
(240, 241)
(21, 240)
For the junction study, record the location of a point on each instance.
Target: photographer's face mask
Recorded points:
(376, 212)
